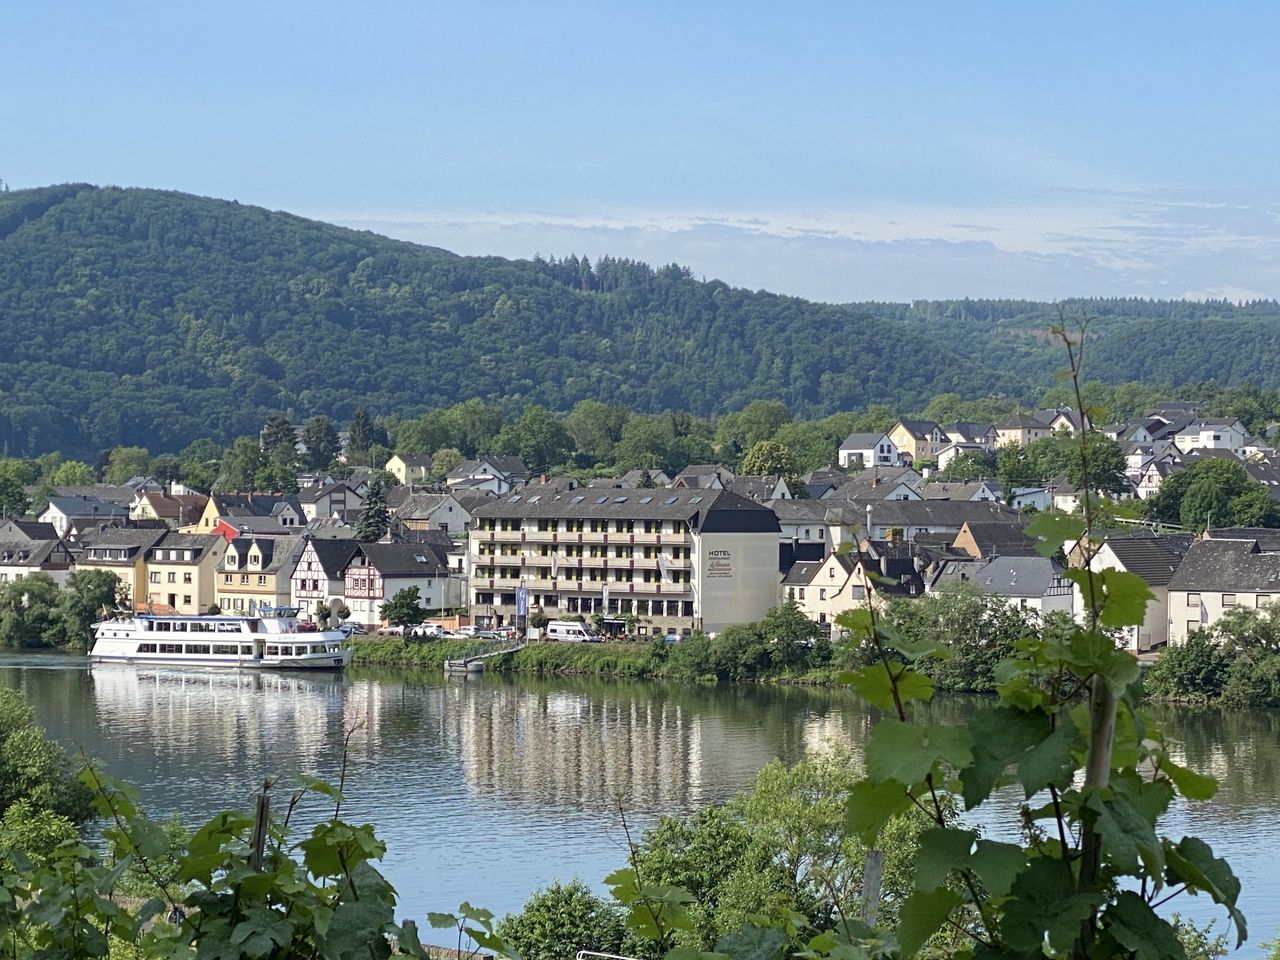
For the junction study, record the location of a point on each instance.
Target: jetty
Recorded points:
(473, 658)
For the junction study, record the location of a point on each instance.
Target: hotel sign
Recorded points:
(719, 563)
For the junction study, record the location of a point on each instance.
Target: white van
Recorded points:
(572, 631)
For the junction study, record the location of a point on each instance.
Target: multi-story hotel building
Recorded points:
(675, 559)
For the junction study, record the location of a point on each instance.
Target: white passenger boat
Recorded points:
(268, 638)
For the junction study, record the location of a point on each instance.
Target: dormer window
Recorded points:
(231, 560)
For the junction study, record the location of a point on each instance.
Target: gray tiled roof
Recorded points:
(707, 510)
(1154, 559)
(406, 559)
(861, 441)
(1228, 566)
(1022, 577)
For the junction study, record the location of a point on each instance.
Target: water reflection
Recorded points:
(486, 789)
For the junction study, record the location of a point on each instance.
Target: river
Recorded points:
(486, 789)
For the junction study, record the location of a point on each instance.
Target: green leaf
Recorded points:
(1088, 652)
(442, 921)
(1192, 862)
(1125, 604)
(906, 752)
(316, 785)
(941, 851)
(1128, 839)
(997, 864)
(872, 684)
(1046, 905)
(856, 622)
(1136, 927)
(1192, 785)
(753, 943)
(921, 916)
(1052, 530)
(871, 806)
(1005, 735)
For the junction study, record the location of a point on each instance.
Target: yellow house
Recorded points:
(286, 511)
(124, 553)
(407, 468)
(257, 572)
(919, 439)
(181, 571)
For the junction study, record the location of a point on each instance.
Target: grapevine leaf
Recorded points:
(906, 752)
(872, 805)
(1047, 904)
(1192, 862)
(1050, 762)
(873, 685)
(941, 851)
(1001, 736)
(1192, 785)
(920, 917)
(997, 864)
(1052, 530)
(1090, 652)
(1127, 836)
(1136, 927)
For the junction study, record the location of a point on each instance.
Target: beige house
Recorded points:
(257, 572)
(181, 572)
(124, 553)
(918, 439)
(286, 511)
(177, 510)
(408, 468)
(1022, 429)
(1219, 575)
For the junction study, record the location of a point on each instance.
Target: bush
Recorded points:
(557, 922)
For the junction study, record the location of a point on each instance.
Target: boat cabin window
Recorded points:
(228, 628)
(226, 649)
(163, 625)
(170, 648)
(286, 651)
(146, 648)
(198, 648)
(246, 650)
(335, 648)
(273, 650)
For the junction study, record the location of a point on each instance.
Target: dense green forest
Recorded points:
(150, 318)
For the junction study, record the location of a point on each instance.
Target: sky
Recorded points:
(836, 151)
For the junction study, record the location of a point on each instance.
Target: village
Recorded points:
(652, 554)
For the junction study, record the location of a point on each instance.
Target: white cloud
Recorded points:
(1084, 243)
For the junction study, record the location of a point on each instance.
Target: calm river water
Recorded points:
(486, 789)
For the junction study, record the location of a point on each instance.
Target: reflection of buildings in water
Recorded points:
(231, 715)
(574, 749)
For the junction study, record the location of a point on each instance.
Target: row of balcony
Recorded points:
(586, 536)
(581, 563)
(616, 587)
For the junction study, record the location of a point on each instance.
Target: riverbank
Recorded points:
(620, 660)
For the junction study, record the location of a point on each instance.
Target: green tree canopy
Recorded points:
(125, 463)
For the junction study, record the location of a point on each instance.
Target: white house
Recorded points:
(868, 449)
(1223, 433)
(1219, 575)
(498, 474)
(1028, 583)
(1155, 560)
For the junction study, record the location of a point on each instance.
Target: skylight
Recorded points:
(695, 499)
(671, 500)
(619, 499)
(602, 500)
(646, 499)
(515, 499)
(577, 499)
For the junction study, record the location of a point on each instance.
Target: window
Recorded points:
(173, 578)
(244, 578)
(802, 593)
(1228, 599)
(186, 578)
(186, 599)
(226, 578)
(1193, 626)
(822, 593)
(262, 580)
(1193, 599)
(155, 577)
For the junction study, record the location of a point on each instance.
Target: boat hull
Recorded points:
(325, 661)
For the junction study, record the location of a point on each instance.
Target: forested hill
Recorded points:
(153, 318)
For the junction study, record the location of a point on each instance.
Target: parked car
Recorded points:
(426, 631)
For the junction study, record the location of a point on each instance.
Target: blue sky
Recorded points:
(839, 151)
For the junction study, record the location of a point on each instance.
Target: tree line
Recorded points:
(152, 318)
